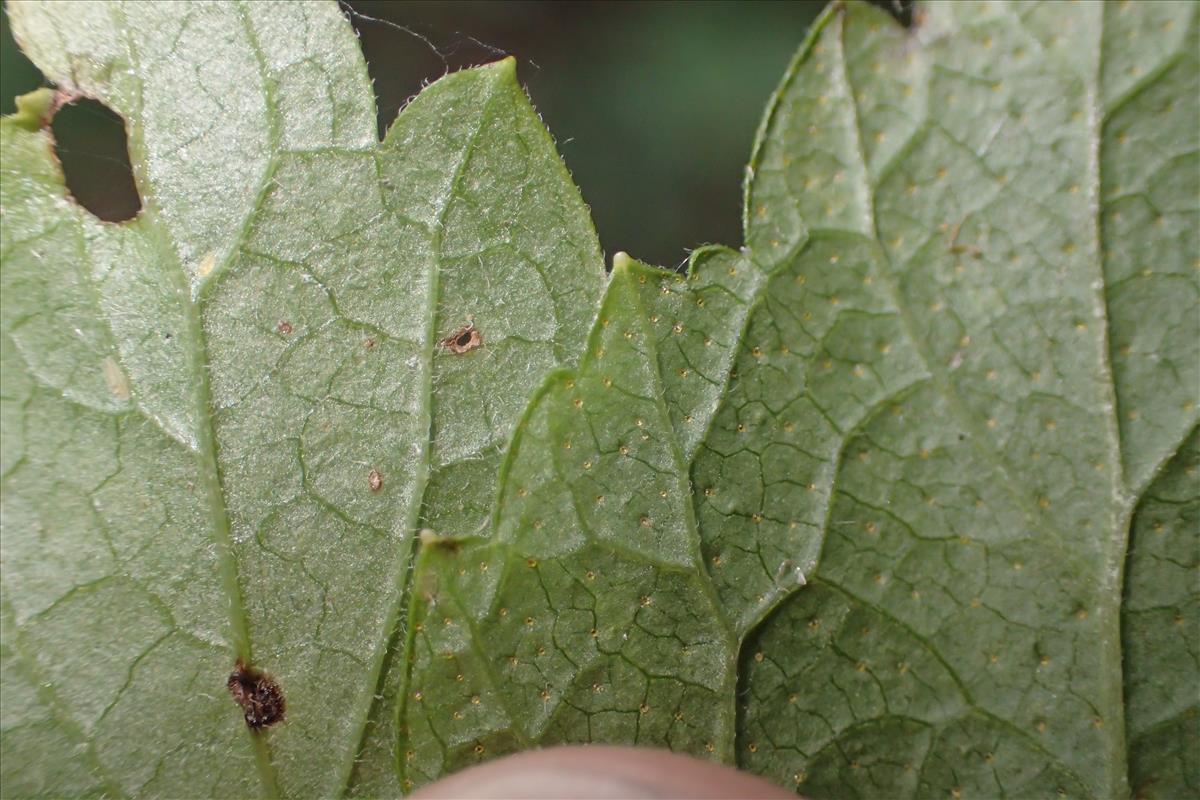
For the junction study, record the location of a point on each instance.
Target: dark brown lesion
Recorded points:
(463, 340)
(260, 697)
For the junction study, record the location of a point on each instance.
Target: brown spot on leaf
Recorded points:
(463, 340)
(260, 697)
(369, 344)
(375, 480)
(284, 327)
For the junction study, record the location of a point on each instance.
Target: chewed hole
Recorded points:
(463, 340)
(92, 145)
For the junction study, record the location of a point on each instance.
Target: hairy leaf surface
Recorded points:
(898, 500)
(966, 344)
(222, 420)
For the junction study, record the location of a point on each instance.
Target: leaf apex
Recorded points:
(505, 69)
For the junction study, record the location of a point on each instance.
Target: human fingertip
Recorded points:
(599, 772)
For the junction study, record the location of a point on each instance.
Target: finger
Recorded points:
(601, 773)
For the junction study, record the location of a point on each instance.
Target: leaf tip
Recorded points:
(621, 261)
(505, 69)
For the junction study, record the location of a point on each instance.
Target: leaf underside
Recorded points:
(241, 398)
(900, 499)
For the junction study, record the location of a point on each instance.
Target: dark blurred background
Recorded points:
(654, 105)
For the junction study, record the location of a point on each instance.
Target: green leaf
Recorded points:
(221, 420)
(1159, 632)
(898, 500)
(1036, 234)
(587, 614)
(965, 341)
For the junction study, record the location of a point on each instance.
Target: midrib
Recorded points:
(1112, 579)
(728, 712)
(1120, 506)
(207, 462)
(407, 554)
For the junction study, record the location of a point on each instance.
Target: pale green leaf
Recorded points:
(222, 419)
(966, 344)
(899, 500)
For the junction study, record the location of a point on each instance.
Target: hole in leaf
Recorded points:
(92, 145)
(464, 340)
